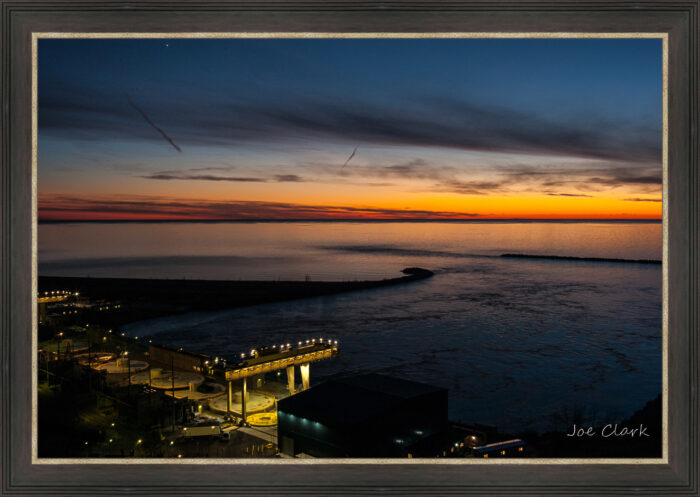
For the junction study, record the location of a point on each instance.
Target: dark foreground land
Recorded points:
(149, 298)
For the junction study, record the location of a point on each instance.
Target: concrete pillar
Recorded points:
(290, 379)
(304, 368)
(243, 402)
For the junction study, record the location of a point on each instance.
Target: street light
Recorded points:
(60, 334)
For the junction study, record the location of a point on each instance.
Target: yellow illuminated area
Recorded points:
(292, 357)
(51, 299)
(263, 419)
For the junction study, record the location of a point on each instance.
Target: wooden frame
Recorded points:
(679, 476)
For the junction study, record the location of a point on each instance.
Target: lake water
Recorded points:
(518, 343)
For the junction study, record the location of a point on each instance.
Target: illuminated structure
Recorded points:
(285, 357)
(51, 298)
(370, 415)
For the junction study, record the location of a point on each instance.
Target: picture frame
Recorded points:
(678, 474)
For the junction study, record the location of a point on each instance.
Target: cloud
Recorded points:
(627, 179)
(144, 207)
(585, 176)
(642, 200)
(425, 121)
(588, 177)
(568, 195)
(176, 175)
(202, 177)
(152, 124)
(288, 178)
(212, 168)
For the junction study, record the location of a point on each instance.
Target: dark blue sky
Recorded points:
(616, 78)
(259, 109)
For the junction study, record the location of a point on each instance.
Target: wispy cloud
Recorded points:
(351, 156)
(152, 124)
(585, 177)
(568, 195)
(175, 175)
(427, 121)
(72, 207)
(202, 177)
(288, 178)
(642, 199)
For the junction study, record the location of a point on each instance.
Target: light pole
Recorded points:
(60, 334)
(128, 372)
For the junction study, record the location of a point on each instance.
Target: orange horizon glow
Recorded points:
(437, 208)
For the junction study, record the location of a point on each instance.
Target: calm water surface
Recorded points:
(518, 343)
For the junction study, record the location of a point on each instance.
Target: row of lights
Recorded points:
(135, 338)
(288, 346)
(61, 292)
(216, 361)
(106, 308)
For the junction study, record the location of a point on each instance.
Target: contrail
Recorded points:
(351, 156)
(148, 120)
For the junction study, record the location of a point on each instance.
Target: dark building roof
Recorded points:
(355, 399)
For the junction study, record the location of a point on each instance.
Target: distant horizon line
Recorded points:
(353, 220)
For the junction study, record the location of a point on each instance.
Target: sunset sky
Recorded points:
(261, 129)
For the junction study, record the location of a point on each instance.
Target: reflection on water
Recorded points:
(515, 341)
(323, 251)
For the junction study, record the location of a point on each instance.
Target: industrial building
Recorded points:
(180, 359)
(370, 415)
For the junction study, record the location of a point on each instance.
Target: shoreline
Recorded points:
(581, 259)
(151, 298)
